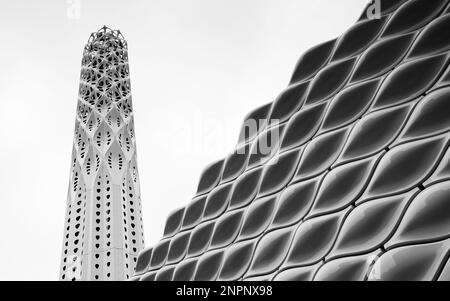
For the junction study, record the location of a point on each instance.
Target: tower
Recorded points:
(103, 231)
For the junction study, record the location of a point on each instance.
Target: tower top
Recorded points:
(105, 39)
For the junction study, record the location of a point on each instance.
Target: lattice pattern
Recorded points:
(358, 187)
(103, 230)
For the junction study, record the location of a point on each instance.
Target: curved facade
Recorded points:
(357, 186)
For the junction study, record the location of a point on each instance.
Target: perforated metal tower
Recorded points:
(103, 230)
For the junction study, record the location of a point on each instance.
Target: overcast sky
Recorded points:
(197, 68)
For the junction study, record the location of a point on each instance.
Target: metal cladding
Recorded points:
(357, 187)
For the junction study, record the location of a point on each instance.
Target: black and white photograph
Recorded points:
(246, 142)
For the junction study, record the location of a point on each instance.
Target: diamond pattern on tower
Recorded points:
(103, 231)
(356, 186)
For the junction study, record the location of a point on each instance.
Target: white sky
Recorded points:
(197, 68)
